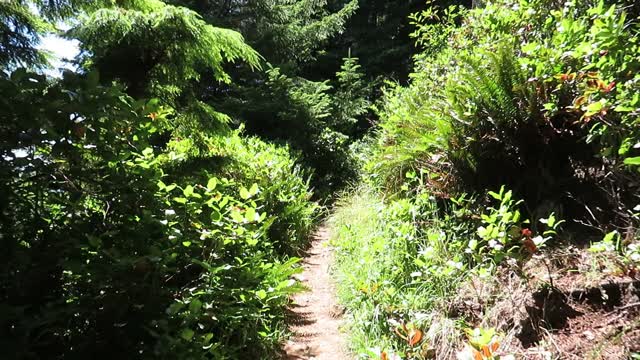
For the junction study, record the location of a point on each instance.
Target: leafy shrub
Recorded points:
(121, 245)
(508, 96)
(284, 187)
(519, 97)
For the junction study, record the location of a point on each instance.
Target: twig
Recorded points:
(560, 352)
(628, 306)
(549, 273)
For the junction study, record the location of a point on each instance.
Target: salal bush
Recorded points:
(284, 186)
(118, 244)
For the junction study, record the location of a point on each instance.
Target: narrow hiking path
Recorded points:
(315, 315)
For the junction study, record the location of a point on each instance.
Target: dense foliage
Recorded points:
(124, 235)
(154, 195)
(518, 114)
(325, 61)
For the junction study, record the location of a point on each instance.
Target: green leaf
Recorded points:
(236, 216)
(625, 146)
(244, 193)
(609, 237)
(550, 221)
(194, 306)
(174, 308)
(250, 214)
(529, 47)
(187, 334)
(180, 200)
(594, 108)
(261, 294)
(254, 189)
(94, 241)
(213, 182)
(186, 243)
(215, 215)
(170, 187)
(188, 191)
(93, 79)
(632, 161)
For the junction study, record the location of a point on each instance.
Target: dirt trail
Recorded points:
(315, 315)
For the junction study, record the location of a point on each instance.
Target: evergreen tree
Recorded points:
(279, 104)
(379, 33)
(287, 33)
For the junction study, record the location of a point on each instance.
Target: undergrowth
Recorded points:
(516, 137)
(382, 263)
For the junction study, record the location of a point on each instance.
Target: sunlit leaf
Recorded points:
(632, 161)
(261, 294)
(244, 193)
(212, 183)
(414, 337)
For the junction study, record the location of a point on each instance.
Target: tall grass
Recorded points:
(392, 273)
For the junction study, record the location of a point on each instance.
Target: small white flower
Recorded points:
(169, 212)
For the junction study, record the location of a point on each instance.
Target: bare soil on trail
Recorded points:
(315, 316)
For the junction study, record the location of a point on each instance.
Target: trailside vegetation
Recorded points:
(500, 190)
(482, 158)
(134, 222)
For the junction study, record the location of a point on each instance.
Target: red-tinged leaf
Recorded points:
(485, 351)
(397, 331)
(383, 356)
(477, 355)
(79, 130)
(414, 337)
(494, 346)
(580, 101)
(609, 87)
(529, 245)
